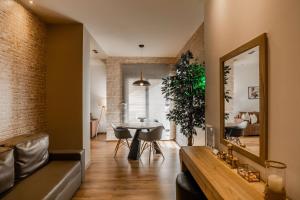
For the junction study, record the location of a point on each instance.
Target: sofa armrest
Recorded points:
(64, 155)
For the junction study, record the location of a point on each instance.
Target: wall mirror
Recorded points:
(244, 99)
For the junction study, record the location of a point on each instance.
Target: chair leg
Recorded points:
(122, 143)
(153, 148)
(117, 147)
(127, 143)
(160, 149)
(143, 148)
(150, 152)
(143, 144)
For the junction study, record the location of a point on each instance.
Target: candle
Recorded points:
(275, 183)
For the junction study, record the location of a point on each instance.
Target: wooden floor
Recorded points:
(108, 178)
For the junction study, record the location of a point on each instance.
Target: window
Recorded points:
(145, 102)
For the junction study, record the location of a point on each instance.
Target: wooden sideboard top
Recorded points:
(215, 178)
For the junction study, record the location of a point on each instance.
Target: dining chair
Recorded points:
(149, 120)
(149, 139)
(122, 134)
(238, 130)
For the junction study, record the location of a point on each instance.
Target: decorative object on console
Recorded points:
(222, 155)
(215, 151)
(234, 163)
(210, 136)
(231, 160)
(275, 175)
(248, 173)
(228, 157)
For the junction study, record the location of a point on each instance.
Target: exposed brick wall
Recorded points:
(22, 71)
(195, 45)
(114, 84)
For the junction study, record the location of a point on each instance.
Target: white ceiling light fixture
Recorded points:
(141, 81)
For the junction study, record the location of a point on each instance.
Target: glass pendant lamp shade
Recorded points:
(141, 82)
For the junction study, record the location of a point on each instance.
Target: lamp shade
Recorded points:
(141, 82)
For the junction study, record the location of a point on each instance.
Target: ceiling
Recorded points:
(118, 26)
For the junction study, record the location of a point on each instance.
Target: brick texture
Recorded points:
(196, 45)
(22, 71)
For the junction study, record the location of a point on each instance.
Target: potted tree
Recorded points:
(186, 89)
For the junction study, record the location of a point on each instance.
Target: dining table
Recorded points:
(135, 144)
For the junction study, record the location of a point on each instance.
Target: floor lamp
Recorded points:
(101, 113)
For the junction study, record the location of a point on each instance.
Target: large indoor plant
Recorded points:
(186, 91)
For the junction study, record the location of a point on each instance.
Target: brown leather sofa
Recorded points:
(30, 172)
(252, 129)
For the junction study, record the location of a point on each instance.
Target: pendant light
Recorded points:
(141, 81)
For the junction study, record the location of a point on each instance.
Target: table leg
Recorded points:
(135, 147)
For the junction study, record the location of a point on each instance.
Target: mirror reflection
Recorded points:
(241, 88)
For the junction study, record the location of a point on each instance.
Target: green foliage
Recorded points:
(226, 77)
(227, 96)
(186, 89)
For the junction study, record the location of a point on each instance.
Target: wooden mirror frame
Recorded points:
(262, 42)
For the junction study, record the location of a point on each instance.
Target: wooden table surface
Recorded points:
(139, 125)
(215, 178)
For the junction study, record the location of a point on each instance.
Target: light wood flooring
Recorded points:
(109, 178)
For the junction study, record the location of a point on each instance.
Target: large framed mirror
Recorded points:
(244, 99)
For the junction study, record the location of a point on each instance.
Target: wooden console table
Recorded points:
(215, 178)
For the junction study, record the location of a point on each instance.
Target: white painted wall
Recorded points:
(86, 107)
(98, 91)
(230, 24)
(245, 74)
(199, 139)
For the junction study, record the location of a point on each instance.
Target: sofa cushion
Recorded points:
(7, 172)
(49, 182)
(31, 152)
